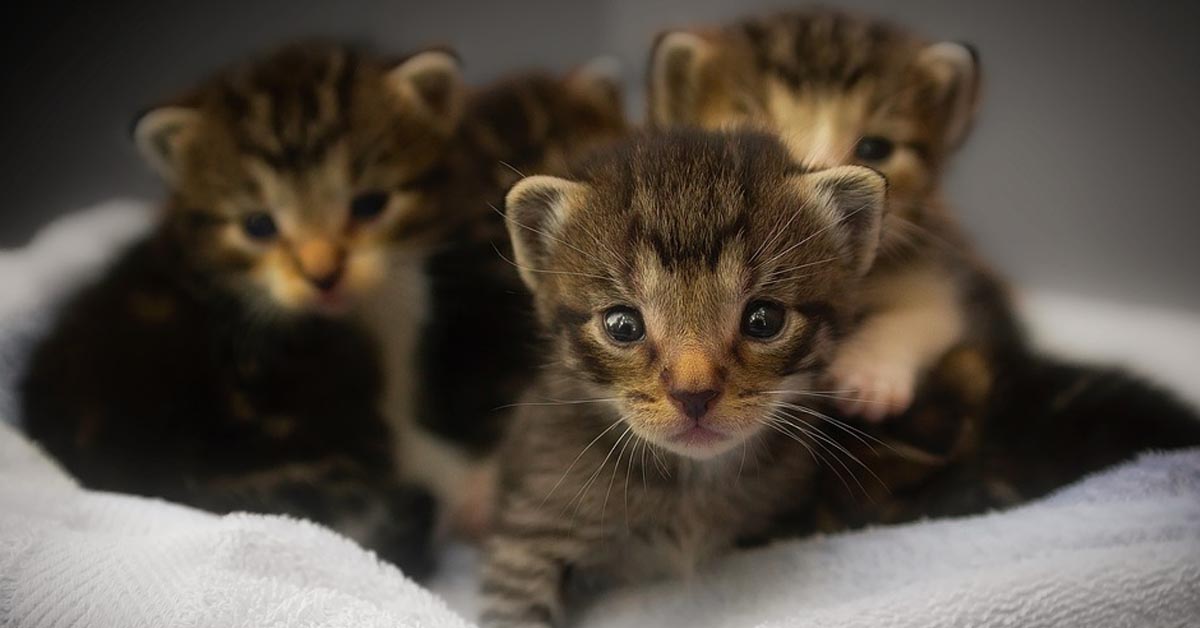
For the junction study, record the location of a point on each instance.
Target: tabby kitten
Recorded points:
(209, 364)
(674, 277)
(840, 89)
(478, 349)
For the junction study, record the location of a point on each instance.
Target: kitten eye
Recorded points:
(369, 205)
(763, 319)
(874, 148)
(260, 226)
(624, 324)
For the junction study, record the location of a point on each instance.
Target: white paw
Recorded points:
(871, 384)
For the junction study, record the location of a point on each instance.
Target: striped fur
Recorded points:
(839, 88)
(599, 475)
(479, 349)
(298, 135)
(206, 366)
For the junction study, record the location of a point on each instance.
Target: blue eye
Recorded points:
(369, 205)
(260, 226)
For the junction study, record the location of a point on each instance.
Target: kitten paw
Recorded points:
(871, 385)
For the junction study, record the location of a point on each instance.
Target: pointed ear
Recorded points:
(535, 210)
(162, 136)
(676, 65)
(598, 83)
(856, 197)
(430, 83)
(953, 71)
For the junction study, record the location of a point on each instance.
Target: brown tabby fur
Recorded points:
(203, 366)
(688, 228)
(823, 81)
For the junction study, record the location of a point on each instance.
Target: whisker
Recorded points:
(549, 272)
(556, 402)
(577, 458)
(832, 454)
(591, 479)
(825, 437)
(776, 424)
(545, 234)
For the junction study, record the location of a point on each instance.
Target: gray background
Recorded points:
(1079, 176)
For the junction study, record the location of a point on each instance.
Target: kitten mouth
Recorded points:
(699, 436)
(332, 303)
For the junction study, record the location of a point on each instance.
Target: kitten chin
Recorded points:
(668, 281)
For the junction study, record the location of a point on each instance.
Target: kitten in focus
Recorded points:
(671, 277)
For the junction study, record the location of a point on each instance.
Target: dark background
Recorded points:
(1080, 176)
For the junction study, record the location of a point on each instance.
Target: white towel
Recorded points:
(1119, 549)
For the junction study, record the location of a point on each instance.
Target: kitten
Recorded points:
(477, 350)
(683, 282)
(995, 423)
(840, 89)
(210, 365)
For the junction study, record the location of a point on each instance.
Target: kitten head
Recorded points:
(693, 276)
(293, 175)
(836, 88)
(536, 122)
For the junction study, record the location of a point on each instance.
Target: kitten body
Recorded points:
(843, 89)
(665, 276)
(218, 362)
(479, 348)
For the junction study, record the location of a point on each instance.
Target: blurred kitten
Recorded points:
(479, 349)
(663, 276)
(210, 364)
(843, 89)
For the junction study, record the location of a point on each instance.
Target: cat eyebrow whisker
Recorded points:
(816, 233)
(549, 272)
(544, 234)
(513, 168)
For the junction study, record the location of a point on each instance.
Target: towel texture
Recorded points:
(1121, 548)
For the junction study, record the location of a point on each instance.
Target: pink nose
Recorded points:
(694, 403)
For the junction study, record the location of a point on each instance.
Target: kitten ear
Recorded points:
(162, 135)
(535, 209)
(677, 62)
(431, 84)
(953, 71)
(598, 82)
(856, 197)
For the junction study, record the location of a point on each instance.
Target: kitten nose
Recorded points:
(321, 263)
(328, 281)
(694, 403)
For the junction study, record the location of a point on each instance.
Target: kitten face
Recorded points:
(293, 177)
(835, 88)
(689, 276)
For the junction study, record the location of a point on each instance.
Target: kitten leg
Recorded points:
(916, 317)
(528, 559)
